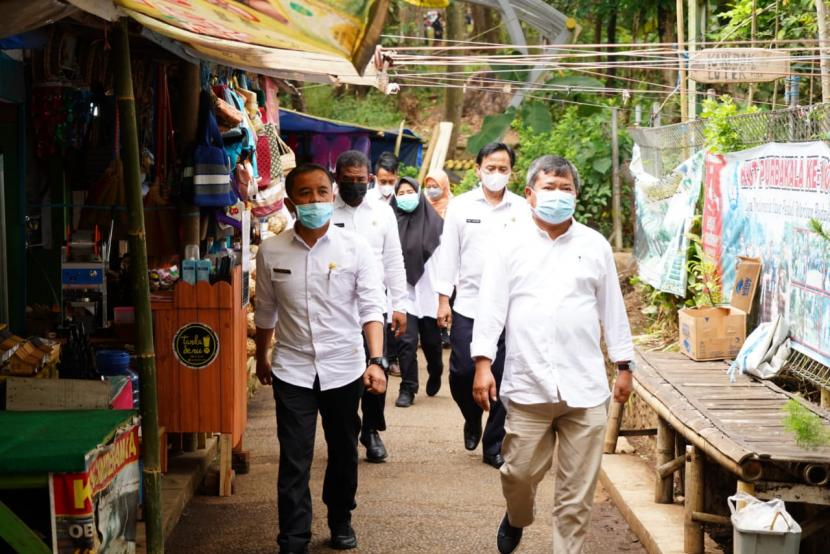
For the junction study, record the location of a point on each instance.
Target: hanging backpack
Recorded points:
(211, 164)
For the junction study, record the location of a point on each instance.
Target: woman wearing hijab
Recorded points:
(420, 229)
(437, 190)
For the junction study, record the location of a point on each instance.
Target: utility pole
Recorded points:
(616, 211)
(454, 101)
(141, 291)
(824, 51)
(681, 63)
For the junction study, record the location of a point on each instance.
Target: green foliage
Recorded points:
(372, 109)
(408, 171)
(704, 279)
(817, 228)
(722, 134)
(796, 20)
(808, 427)
(661, 309)
(575, 81)
(492, 129)
(468, 182)
(585, 141)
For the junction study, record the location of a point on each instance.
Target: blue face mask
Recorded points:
(407, 202)
(314, 216)
(554, 206)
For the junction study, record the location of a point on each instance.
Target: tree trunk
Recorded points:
(479, 22)
(492, 26)
(611, 34)
(454, 101)
(666, 27)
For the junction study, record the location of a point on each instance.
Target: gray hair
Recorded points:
(556, 165)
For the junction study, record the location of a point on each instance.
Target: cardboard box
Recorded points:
(717, 333)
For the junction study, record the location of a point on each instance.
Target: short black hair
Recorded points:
(302, 170)
(494, 147)
(351, 158)
(555, 165)
(389, 162)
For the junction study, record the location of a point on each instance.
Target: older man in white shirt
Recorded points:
(374, 221)
(473, 223)
(551, 289)
(317, 285)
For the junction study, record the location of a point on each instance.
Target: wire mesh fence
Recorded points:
(664, 148)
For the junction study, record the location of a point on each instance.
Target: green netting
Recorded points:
(36, 442)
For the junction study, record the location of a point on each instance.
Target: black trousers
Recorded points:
(462, 374)
(391, 344)
(430, 338)
(373, 405)
(297, 409)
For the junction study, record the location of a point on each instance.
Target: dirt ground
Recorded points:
(430, 496)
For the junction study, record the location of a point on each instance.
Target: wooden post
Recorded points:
(748, 488)
(399, 138)
(655, 114)
(616, 210)
(680, 450)
(681, 63)
(692, 36)
(638, 115)
(225, 461)
(664, 486)
(615, 414)
(430, 150)
(454, 100)
(693, 531)
(141, 291)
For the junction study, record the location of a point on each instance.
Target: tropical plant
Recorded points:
(704, 278)
(808, 428)
(720, 129)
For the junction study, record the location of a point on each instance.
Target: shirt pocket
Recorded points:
(287, 283)
(339, 285)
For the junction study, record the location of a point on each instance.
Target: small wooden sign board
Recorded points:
(739, 65)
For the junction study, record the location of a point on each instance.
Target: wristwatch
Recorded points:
(625, 366)
(380, 361)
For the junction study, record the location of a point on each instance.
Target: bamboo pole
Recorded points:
(714, 519)
(430, 150)
(141, 292)
(664, 484)
(399, 138)
(692, 530)
(681, 63)
(748, 488)
(824, 52)
(616, 209)
(612, 432)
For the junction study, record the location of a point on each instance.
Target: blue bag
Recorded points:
(211, 164)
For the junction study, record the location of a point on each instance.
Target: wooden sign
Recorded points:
(739, 65)
(196, 345)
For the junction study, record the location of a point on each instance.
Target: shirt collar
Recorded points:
(299, 240)
(340, 204)
(506, 200)
(563, 237)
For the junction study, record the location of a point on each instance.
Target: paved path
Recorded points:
(430, 496)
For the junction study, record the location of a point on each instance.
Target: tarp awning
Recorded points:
(297, 122)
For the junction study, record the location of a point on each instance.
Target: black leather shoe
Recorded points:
(472, 434)
(375, 451)
(433, 385)
(509, 537)
(405, 399)
(495, 460)
(343, 537)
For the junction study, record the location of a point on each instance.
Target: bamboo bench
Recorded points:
(736, 425)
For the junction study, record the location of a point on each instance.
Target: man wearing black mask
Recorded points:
(376, 222)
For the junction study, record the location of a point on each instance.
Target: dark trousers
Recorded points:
(462, 373)
(297, 409)
(430, 337)
(391, 345)
(372, 405)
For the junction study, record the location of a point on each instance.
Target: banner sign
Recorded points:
(196, 345)
(665, 214)
(322, 26)
(96, 511)
(739, 65)
(759, 202)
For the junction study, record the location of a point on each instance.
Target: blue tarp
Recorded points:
(321, 140)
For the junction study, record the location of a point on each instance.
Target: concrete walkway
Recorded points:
(430, 496)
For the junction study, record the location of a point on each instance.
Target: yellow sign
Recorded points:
(325, 26)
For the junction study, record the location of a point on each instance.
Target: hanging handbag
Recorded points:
(288, 160)
(269, 162)
(268, 200)
(211, 166)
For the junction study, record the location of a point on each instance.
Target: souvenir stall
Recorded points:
(212, 167)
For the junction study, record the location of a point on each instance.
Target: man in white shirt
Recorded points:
(550, 289)
(318, 286)
(386, 177)
(375, 222)
(473, 222)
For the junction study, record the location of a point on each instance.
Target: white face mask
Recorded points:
(494, 182)
(387, 190)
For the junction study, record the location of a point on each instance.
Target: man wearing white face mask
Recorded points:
(386, 176)
(550, 292)
(473, 222)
